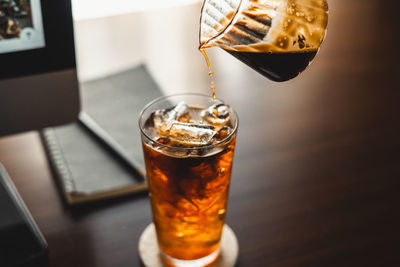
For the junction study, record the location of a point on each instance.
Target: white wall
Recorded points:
(164, 38)
(108, 45)
(171, 49)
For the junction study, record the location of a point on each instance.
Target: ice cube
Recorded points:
(188, 134)
(195, 116)
(158, 117)
(222, 133)
(179, 110)
(217, 115)
(164, 118)
(160, 122)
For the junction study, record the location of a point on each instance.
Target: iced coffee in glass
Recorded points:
(188, 144)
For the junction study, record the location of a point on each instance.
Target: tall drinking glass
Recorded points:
(188, 143)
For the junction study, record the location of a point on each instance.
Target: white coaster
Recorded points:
(150, 253)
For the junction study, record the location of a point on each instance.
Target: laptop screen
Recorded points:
(36, 36)
(21, 25)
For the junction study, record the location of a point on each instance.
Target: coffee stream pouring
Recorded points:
(277, 38)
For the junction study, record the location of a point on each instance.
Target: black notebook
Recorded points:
(85, 168)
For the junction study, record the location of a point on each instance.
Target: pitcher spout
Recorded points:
(216, 18)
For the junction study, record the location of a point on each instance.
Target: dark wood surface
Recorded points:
(316, 177)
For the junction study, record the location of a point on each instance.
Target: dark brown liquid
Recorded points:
(276, 66)
(188, 198)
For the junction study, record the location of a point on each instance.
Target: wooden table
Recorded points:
(316, 177)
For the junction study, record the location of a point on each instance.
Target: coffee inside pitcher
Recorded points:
(277, 38)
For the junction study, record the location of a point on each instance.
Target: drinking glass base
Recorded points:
(226, 256)
(205, 261)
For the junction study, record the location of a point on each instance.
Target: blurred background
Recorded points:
(315, 179)
(115, 36)
(350, 83)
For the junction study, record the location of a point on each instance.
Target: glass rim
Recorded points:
(159, 99)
